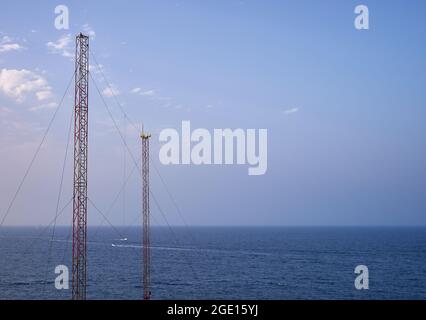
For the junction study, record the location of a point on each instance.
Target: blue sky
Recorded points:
(344, 108)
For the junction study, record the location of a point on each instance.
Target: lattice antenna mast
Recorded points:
(146, 213)
(79, 228)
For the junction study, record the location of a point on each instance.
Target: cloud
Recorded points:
(43, 95)
(17, 84)
(4, 111)
(110, 92)
(147, 93)
(7, 44)
(166, 102)
(89, 31)
(18, 133)
(98, 69)
(291, 111)
(10, 47)
(50, 105)
(62, 46)
(6, 39)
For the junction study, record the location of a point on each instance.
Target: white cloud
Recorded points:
(166, 102)
(149, 93)
(89, 31)
(10, 47)
(6, 39)
(110, 92)
(291, 111)
(62, 46)
(50, 105)
(17, 84)
(43, 95)
(62, 43)
(98, 69)
(7, 44)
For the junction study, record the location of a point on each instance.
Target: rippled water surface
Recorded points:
(221, 263)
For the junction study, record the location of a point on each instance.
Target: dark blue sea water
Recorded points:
(221, 263)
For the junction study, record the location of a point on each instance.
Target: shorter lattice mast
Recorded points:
(145, 212)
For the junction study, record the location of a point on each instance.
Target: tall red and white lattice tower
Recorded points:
(79, 228)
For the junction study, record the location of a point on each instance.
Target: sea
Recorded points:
(244, 263)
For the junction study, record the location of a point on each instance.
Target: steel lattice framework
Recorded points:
(146, 213)
(81, 104)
